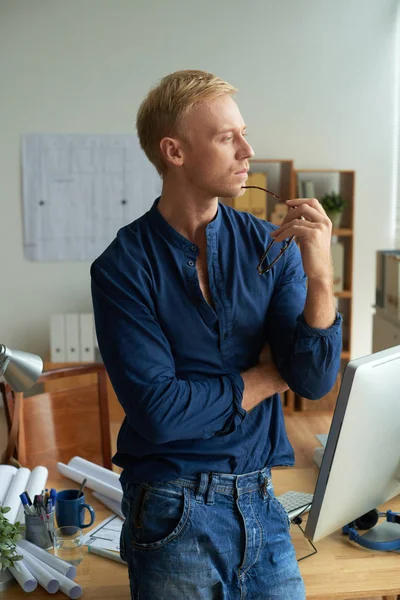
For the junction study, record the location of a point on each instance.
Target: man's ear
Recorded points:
(172, 151)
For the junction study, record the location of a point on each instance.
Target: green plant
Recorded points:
(333, 203)
(9, 536)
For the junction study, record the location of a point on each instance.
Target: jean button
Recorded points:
(190, 263)
(193, 248)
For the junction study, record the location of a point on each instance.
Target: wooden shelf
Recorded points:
(345, 355)
(342, 232)
(344, 294)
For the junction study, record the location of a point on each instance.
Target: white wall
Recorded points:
(317, 84)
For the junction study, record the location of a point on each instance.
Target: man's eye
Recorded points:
(226, 139)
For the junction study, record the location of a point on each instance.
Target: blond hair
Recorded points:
(166, 104)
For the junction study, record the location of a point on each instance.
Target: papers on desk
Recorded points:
(106, 535)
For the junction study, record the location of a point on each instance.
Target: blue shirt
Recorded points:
(175, 362)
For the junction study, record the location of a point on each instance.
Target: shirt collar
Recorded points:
(159, 224)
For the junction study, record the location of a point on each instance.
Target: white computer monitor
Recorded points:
(360, 468)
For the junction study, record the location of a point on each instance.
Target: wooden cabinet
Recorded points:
(386, 331)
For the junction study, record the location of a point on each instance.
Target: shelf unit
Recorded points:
(343, 182)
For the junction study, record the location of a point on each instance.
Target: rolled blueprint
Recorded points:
(40, 571)
(114, 506)
(94, 483)
(24, 577)
(17, 486)
(7, 473)
(95, 471)
(61, 566)
(36, 483)
(67, 586)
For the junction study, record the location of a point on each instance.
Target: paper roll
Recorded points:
(92, 482)
(7, 473)
(114, 506)
(17, 486)
(36, 483)
(40, 571)
(56, 563)
(24, 577)
(67, 586)
(89, 468)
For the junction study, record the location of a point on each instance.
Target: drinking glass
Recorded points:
(68, 544)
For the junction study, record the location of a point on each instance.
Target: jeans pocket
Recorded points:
(277, 505)
(158, 516)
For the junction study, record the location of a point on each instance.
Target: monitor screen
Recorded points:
(360, 468)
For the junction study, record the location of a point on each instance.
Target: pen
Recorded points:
(28, 498)
(106, 553)
(25, 504)
(53, 496)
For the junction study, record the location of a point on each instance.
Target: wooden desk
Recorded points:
(340, 569)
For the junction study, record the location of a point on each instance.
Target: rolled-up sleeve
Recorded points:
(137, 355)
(307, 358)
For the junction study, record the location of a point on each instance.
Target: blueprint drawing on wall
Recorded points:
(79, 190)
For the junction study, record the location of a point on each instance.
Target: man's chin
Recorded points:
(233, 192)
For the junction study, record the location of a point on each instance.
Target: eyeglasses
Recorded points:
(261, 270)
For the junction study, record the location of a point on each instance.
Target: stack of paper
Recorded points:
(104, 482)
(104, 539)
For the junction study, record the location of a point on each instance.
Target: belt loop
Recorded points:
(201, 490)
(211, 489)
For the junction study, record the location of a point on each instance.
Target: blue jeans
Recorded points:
(222, 537)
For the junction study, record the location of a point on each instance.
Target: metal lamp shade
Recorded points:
(20, 369)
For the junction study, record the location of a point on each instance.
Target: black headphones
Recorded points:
(368, 521)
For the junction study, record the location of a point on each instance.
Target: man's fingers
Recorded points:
(298, 228)
(306, 211)
(313, 202)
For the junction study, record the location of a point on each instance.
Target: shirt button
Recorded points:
(193, 248)
(190, 263)
(225, 336)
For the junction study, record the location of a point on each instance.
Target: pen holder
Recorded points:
(40, 530)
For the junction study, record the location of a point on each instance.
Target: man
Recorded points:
(198, 346)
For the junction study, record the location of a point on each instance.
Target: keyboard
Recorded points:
(295, 503)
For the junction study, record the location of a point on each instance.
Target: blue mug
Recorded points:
(70, 509)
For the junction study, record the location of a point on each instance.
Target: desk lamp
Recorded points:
(21, 370)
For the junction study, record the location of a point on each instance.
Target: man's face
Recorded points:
(215, 150)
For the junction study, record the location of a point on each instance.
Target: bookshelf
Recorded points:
(343, 182)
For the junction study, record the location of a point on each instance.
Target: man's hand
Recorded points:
(262, 381)
(308, 221)
(314, 232)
